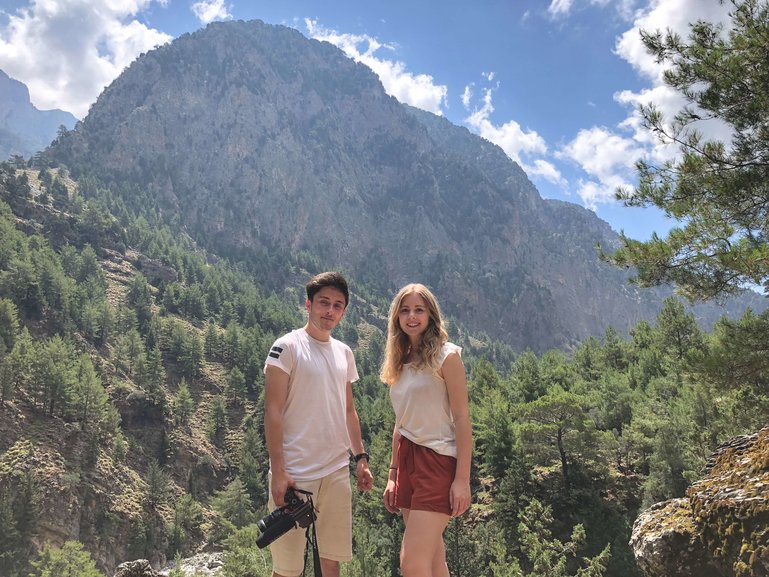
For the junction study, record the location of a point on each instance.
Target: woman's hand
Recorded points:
(389, 497)
(459, 497)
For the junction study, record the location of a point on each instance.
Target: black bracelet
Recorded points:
(360, 456)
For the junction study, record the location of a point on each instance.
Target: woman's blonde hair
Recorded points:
(398, 345)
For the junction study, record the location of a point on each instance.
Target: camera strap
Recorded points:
(312, 541)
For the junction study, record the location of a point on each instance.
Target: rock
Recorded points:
(665, 542)
(138, 568)
(156, 271)
(200, 565)
(721, 527)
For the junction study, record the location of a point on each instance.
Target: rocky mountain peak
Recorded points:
(260, 141)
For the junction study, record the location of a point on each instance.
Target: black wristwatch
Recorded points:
(360, 456)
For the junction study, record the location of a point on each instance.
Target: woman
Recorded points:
(429, 479)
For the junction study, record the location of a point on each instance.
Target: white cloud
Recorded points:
(467, 95)
(601, 152)
(518, 144)
(210, 10)
(419, 90)
(663, 15)
(547, 170)
(669, 15)
(607, 158)
(593, 193)
(514, 140)
(67, 51)
(563, 8)
(607, 155)
(559, 7)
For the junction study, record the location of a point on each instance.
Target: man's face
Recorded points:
(326, 308)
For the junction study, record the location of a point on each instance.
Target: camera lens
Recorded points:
(268, 520)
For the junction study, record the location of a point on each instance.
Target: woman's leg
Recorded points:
(422, 551)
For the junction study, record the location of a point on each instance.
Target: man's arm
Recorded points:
(275, 395)
(392, 474)
(363, 473)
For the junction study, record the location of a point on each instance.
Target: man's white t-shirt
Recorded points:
(315, 436)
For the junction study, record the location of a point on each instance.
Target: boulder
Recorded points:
(721, 527)
(138, 568)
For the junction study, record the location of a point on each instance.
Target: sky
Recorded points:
(555, 83)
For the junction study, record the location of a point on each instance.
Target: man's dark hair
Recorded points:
(324, 279)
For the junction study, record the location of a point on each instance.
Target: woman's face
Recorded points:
(413, 316)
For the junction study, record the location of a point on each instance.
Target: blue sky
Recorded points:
(555, 83)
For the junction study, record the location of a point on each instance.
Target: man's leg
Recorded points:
(334, 523)
(288, 550)
(330, 568)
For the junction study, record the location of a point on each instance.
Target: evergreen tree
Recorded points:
(211, 341)
(184, 405)
(87, 398)
(69, 561)
(737, 364)
(20, 282)
(549, 557)
(139, 298)
(254, 463)
(188, 515)
(527, 377)
(236, 385)
(557, 421)
(234, 503)
(18, 366)
(216, 424)
(678, 330)
(54, 374)
(154, 376)
(19, 514)
(129, 352)
(242, 557)
(717, 189)
(158, 485)
(9, 326)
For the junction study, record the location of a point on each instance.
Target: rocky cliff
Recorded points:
(24, 129)
(721, 527)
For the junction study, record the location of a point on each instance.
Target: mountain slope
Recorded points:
(24, 129)
(258, 140)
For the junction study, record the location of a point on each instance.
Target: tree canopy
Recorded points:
(718, 191)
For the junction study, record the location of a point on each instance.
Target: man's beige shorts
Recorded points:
(332, 496)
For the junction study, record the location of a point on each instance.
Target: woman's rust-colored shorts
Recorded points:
(424, 478)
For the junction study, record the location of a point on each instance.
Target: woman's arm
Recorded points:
(453, 372)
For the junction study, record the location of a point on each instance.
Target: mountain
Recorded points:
(258, 141)
(24, 129)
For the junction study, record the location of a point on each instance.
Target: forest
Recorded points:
(125, 349)
(569, 446)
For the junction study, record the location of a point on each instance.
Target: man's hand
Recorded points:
(365, 478)
(281, 481)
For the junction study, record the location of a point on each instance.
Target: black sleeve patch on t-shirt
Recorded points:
(275, 352)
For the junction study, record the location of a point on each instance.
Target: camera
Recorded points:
(296, 513)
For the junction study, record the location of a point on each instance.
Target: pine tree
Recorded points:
(184, 405)
(717, 190)
(70, 560)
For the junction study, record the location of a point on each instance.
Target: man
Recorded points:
(311, 424)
